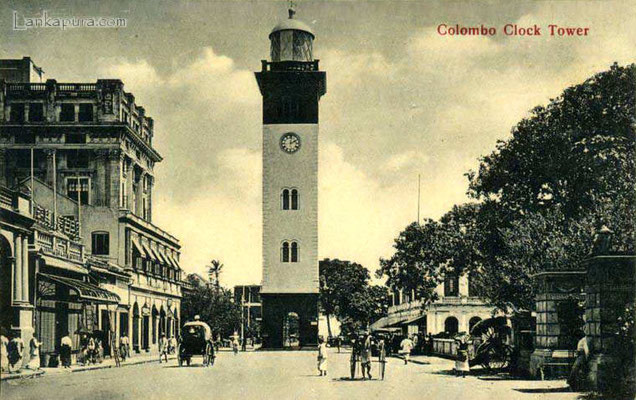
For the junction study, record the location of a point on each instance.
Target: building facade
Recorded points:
(91, 144)
(291, 85)
(457, 309)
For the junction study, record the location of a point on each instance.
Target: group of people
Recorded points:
(362, 347)
(12, 355)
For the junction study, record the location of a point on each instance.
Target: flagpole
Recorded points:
(32, 185)
(418, 199)
(54, 189)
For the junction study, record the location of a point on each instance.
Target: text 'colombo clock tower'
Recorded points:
(291, 85)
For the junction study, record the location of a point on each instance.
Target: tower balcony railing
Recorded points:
(289, 65)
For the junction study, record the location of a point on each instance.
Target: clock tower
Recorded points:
(291, 85)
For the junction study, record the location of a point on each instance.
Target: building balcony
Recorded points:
(56, 244)
(290, 66)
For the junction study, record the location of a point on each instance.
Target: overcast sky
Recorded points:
(401, 101)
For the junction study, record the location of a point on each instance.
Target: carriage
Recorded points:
(196, 339)
(493, 351)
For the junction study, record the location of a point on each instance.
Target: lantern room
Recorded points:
(291, 40)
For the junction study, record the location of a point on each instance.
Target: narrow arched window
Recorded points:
(284, 252)
(294, 199)
(294, 252)
(285, 199)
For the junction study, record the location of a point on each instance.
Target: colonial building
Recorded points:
(291, 85)
(457, 309)
(92, 144)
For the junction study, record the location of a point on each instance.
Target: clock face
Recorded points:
(290, 142)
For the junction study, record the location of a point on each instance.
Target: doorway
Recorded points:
(291, 331)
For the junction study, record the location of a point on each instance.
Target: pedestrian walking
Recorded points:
(382, 356)
(4, 359)
(163, 348)
(339, 342)
(353, 360)
(123, 347)
(66, 347)
(91, 348)
(462, 365)
(34, 354)
(15, 351)
(235, 344)
(578, 375)
(113, 345)
(406, 346)
(365, 356)
(322, 356)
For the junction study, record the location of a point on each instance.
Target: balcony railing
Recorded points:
(289, 65)
(55, 244)
(65, 224)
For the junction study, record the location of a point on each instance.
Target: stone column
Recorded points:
(113, 178)
(140, 194)
(553, 348)
(17, 269)
(50, 173)
(25, 269)
(610, 290)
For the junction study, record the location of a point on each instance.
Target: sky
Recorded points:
(402, 101)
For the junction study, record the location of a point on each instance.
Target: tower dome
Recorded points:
(291, 40)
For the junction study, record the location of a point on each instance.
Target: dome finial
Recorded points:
(292, 9)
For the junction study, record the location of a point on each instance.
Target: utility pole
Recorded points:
(418, 199)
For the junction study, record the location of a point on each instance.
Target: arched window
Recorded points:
(451, 325)
(285, 199)
(294, 252)
(294, 199)
(289, 252)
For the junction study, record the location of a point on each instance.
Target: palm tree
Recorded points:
(215, 269)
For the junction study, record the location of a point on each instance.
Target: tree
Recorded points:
(214, 306)
(426, 253)
(565, 171)
(345, 292)
(215, 269)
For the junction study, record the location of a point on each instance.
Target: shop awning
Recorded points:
(157, 256)
(149, 252)
(163, 256)
(406, 321)
(83, 290)
(138, 247)
(64, 264)
(173, 261)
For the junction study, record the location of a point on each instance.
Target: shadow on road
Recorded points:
(564, 389)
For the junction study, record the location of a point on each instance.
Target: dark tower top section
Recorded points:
(291, 83)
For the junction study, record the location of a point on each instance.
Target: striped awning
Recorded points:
(163, 256)
(83, 291)
(64, 264)
(174, 261)
(151, 255)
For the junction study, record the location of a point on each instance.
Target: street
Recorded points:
(278, 375)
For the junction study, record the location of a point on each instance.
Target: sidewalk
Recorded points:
(108, 363)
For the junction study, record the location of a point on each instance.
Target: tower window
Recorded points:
(100, 242)
(294, 252)
(289, 199)
(285, 199)
(289, 252)
(294, 199)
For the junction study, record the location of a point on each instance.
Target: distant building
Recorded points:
(249, 297)
(457, 309)
(92, 145)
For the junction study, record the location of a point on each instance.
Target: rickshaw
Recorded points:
(196, 339)
(493, 353)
